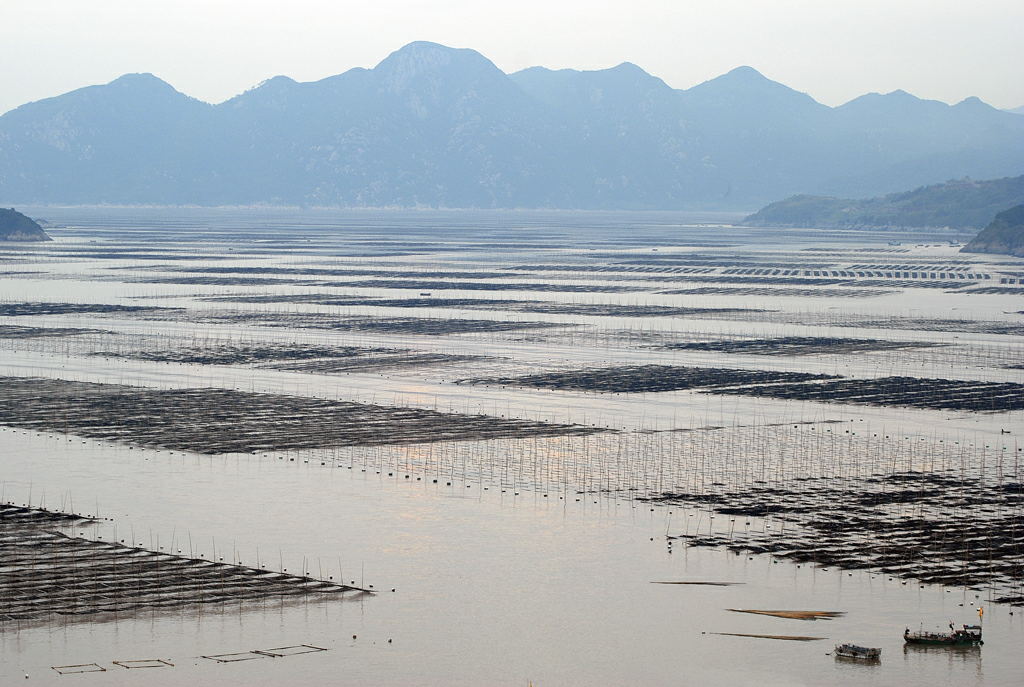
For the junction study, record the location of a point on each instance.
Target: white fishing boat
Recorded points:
(859, 652)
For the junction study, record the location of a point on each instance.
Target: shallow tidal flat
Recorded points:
(519, 422)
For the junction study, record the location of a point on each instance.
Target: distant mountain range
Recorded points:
(960, 204)
(441, 127)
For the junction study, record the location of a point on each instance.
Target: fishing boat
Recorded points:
(860, 652)
(969, 635)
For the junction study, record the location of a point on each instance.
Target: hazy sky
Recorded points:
(212, 49)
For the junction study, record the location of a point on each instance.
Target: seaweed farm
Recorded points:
(228, 353)
(936, 528)
(647, 378)
(386, 325)
(295, 446)
(597, 309)
(28, 309)
(16, 332)
(797, 345)
(953, 394)
(49, 574)
(213, 421)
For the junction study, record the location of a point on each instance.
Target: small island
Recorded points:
(15, 226)
(1004, 235)
(957, 204)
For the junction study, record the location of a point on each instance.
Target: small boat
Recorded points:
(970, 635)
(861, 652)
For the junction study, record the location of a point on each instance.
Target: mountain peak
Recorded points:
(132, 87)
(973, 103)
(425, 60)
(899, 94)
(892, 103)
(427, 56)
(627, 71)
(745, 78)
(745, 86)
(279, 81)
(745, 73)
(141, 80)
(419, 47)
(629, 67)
(273, 90)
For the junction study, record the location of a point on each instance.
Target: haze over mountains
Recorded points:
(442, 127)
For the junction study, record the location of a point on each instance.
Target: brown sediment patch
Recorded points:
(791, 638)
(792, 615)
(708, 584)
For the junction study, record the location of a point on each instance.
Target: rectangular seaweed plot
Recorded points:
(383, 362)
(487, 286)
(79, 668)
(948, 527)
(243, 354)
(234, 658)
(282, 651)
(214, 421)
(644, 378)
(22, 309)
(796, 345)
(16, 332)
(910, 392)
(48, 574)
(427, 326)
(144, 663)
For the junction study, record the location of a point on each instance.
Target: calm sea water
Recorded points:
(491, 587)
